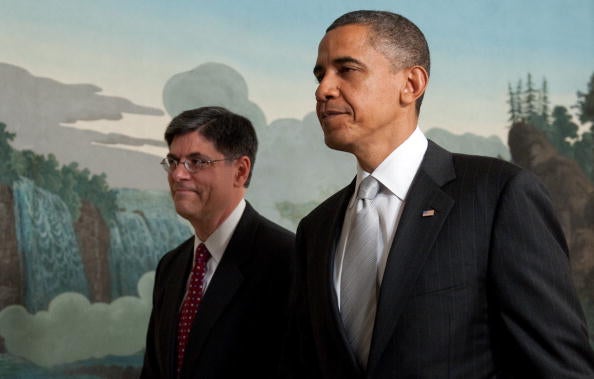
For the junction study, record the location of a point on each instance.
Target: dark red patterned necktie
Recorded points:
(191, 302)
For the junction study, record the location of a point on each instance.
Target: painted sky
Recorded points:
(131, 48)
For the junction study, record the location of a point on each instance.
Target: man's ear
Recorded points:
(243, 167)
(415, 85)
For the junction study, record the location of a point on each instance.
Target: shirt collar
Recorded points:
(217, 242)
(398, 170)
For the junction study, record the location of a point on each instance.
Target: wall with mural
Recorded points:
(87, 88)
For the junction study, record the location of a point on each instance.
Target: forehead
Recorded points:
(192, 143)
(345, 40)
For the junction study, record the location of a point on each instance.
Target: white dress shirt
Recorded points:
(396, 174)
(217, 242)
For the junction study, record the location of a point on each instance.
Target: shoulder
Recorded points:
(485, 179)
(176, 254)
(478, 170)
(438, 161)
(275, 231)
(491, 182)
(265, 245)
(265, 229)
(331, 205)
(494, 171)
(488, 165)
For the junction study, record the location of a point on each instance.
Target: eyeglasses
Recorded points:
(192, 164)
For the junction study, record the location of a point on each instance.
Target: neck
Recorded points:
(206, 226)
(372, 154)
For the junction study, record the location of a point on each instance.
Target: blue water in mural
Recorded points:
(132, 253)
(122, 367)
(146, 227)
(48, 245)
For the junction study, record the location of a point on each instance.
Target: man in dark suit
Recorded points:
(465, 269)
(220, 298)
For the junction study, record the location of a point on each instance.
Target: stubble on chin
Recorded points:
(187, 211)
(336, 139)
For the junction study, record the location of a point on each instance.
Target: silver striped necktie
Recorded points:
(358, 284)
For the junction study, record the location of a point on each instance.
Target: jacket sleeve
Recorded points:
(298, 356)
(150, 367)
(544, 332)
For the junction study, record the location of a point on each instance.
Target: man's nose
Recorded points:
(180, 172)
(327, 89)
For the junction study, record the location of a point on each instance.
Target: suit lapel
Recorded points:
(326, 242)
(181, 264)
(415, 235)
(324, 305)
(225, 282)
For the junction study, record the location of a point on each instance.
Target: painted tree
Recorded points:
(585, 104)
(514, 114)
(539, 117)
(519, 102)
(530, 100)
(7, 173)
(584, 153)
(530, 105)
(544, 101)
(563, 131)
(584, 148)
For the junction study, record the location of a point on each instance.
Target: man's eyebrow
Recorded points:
(189, 156)
(338, 61)
(347, 59)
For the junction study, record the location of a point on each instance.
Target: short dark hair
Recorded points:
(398, 38)
(232, 134)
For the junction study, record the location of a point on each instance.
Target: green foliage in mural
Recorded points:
(586, 104)
(69, 182)
(7, 172)
(532, 106)
(294, 211)
(563, 131)
(584, 148)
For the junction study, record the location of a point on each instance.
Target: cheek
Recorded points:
(318, 107)
(375, 103)
(357, 98)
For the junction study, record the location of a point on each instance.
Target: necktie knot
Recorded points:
(368, 188)
(202, 255)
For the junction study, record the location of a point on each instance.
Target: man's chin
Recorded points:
(337, 144)
(184, 209)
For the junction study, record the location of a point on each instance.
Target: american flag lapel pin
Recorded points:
(428, 213)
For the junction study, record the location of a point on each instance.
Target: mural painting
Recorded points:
(85, 213)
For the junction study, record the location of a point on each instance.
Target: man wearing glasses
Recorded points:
(219, 301)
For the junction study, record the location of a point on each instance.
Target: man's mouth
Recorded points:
(183, 190)
(330, 113)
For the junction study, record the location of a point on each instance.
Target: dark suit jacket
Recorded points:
(482, 289)
(242, 317)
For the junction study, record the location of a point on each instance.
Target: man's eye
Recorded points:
(195, 162)
(344, 70)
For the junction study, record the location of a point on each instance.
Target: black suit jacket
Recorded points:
(482, 289)
(242, 317)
